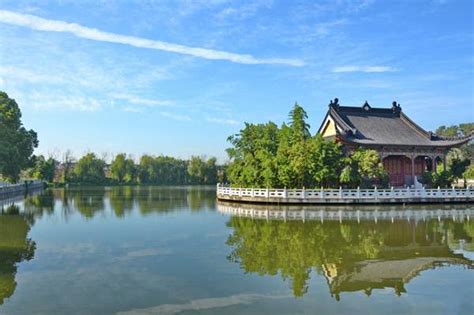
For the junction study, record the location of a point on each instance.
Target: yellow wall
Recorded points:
(329, 129)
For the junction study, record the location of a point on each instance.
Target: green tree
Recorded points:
(364, 168)
(90, 170)
(327, 162)
(44, 169)
(16, 143)
(123, 169)
(253, 156)
(469, 173)
(457, 163)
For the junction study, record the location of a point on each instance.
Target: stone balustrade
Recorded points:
(322, 195)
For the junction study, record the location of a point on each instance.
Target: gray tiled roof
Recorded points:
(384, 126)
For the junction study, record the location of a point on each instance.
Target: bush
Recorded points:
(440, 179)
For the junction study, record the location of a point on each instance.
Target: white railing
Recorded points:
(343, 194)
(346, 214)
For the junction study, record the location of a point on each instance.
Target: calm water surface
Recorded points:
(165, 250)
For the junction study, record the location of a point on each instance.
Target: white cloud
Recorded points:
(176, 116)
(324, 29)
(78, 103)
(367, 69)
(223, 121)
(37, 23)
(133, 99)
(201, 304)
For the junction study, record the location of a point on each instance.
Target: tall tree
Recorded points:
(16, 143)
(90, 170)
(43, 168)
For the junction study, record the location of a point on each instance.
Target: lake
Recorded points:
(176, 250)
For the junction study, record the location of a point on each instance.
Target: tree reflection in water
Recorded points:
(351, 256)
(15, 247)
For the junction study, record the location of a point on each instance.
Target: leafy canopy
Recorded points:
(16, 143)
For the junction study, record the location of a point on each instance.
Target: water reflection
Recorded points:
(119, 201)
(15, 247)
(359, 249)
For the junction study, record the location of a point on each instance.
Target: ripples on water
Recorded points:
(175, 250)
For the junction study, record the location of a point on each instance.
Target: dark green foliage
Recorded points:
(456, 130)
(201, 171)
(123, 169)
(364, 169)
(441, 179)
(469, 173)
(43, 169)
(16, 143)
(89, 170)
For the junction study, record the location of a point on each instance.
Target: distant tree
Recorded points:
(16, 143)
(196, 169)
(43, 168)
(90, 170)
(210, 176)
(67, 166)
(464, 129)
(123, 169)
(146, 169)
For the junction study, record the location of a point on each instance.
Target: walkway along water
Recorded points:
(11, 191)
(344, 196)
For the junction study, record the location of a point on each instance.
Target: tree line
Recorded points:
(123, 170)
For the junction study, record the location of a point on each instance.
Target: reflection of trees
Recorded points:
(14, 248)
(166, 199)
(121, 199)
(343, 252)
(87, 201)
(40, 204)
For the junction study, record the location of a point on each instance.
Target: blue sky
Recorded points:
(178, 77)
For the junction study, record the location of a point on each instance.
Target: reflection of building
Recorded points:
(344, 213)
(354, 248)
(407, 150)
(405, 263)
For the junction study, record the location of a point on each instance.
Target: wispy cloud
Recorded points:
(37, 23)
(223, 121)
(60, 102)
(136, 100)
(324, 29)
(367, 69)
(177, 117)
(202, 304)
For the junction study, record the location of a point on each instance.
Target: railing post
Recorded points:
(439, 192)
(358, 192)
(340, 192)
(252, 192)
(303, 195)
(267, 194)
(285, 193)
(376, 193)
(322, 192)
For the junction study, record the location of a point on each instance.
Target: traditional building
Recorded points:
(406, 149)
